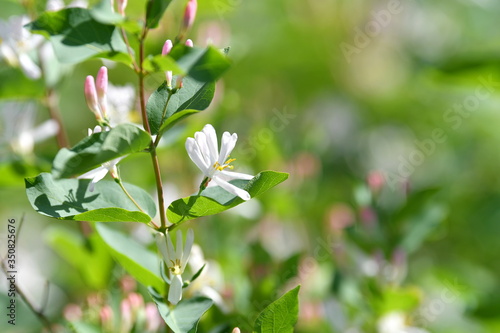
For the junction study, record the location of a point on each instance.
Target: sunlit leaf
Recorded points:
(281, 315)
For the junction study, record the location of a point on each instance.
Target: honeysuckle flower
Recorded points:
(189, 43)
(189, 14)
(96, 94)
(15, 44)
(122, 4)
(18, 127)
(202, 149)
(176, 260)
(100, 172)
(167, 47)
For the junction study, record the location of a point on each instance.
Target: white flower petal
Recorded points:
(161, 243)
(212, 142)
(227, 146)
(92, 173)
(45, 130)
(195, 155)
(201, 140)
(187, 249)
(29, 67)
(178, 248)
(230, 175)
(170, 249)
(231, 188)
(175, 291)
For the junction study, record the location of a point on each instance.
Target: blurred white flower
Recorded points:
(203, 151)
(100, 172)
(18, 127)
(15, 44)
(176, 260)
(211, 280)
(394, 322)
(120, 102)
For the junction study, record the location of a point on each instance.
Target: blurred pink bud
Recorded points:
(136, 301)
(368, 217)
(106, 316)
(376, 181)
(102, 89)
(72, 312)
(91, 97)
(127, 284)
(126, 312)
(236, 330)
(339, 217)
(153, 319)
(189, 43)
(178, 83)
(167, 47)
(168, 75)
(122, 4)
(189, 14)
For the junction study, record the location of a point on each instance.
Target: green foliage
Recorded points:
(11, 79)
(215, 200)
(184, 317)
(76, 35)
(154, 12)
(68, 199)
(204, 65)
(160, 63)
(164, 112)
(99, 148)
(281, 315)
(83, 254)
(139, 262)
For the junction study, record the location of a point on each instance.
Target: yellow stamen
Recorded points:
(176, 267)
(226, 165)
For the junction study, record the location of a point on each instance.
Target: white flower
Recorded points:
(98, 173)
(394, 322)
(203, 152)
(176, 260)
(15, 44)
(120, 102)
(18, 127)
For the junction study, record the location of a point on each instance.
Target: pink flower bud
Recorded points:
(189, 14)
(72, 312)
(106, 316)
(236, 330)
(189, 43)
(153, 319)
(167, 47)
(127, 284)
(102, 89)
(122, 4)
(136, 301)
(126, 311)
(91, 97)
(178, 83)
(168, 75)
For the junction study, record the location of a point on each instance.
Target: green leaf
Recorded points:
(214, 200)
(77, 36)
(154, 12)
(160, 63)
(281, 315)
(184, 317)
(68, 199)
(11, 79)
(193, 97)
(201, 64)
(82, 327)
(139, 262)
(99, 148)
(84, 254)
(104, 13)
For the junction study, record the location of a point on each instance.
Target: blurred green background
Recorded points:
(331, 92)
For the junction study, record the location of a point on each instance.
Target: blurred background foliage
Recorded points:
(345, 110)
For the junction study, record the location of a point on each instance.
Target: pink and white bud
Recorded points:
(167, 47)
(189, 14)
(128, 284)
(102, 89)
(106, 317)
(136, 301)
(126, 312)
(189, 43)
(178, 83)
(168, 75)
(122, 4)
(153, 319)
(236, 330)
(91, 97)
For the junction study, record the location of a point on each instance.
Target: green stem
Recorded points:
(129, 49)
(119, 182)
(154, 156)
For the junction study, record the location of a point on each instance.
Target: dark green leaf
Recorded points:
(68, 199)
(98, 148)
(184, 317)
(154, 12)
(201, 64)
(77, 36)
(193, 97)
(214, 200)
(281, 315)
(139, 262)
